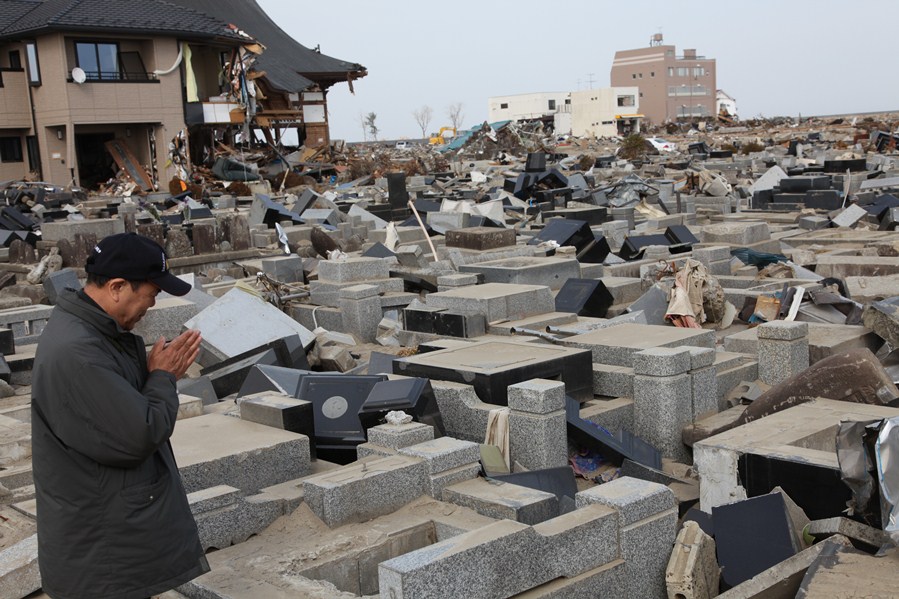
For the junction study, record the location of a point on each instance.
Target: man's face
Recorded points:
(132, 305)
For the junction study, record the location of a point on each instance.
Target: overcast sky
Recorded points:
(784, 57)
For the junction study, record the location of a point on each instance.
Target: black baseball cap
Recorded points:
(135, 258)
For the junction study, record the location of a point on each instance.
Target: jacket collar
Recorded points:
(87, 310)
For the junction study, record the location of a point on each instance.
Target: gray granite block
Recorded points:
(440, 481)
(165, 319)
(285, 269)
(214, 449)
(358, 292)
(444, 453)
(496, 499)
(635, 499)
(608, 581)
(779, 360)
(464, 414)
(364, 450)
(360, 316)
(456, 280)
(705, 391)
(710, 254)
(537, 396)
(240, 321)
(538, 441)
(225, 518)
(647, 515)
(782, 331)
(613, 381)
(700, 357)
(581, 540)
(662, 361)
(396, 436)
(506, 557)
(353, 269)
(19, 573)
(646, 548)
(662, 407)
(365, 489)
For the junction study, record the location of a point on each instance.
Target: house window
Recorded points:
(567, 101)
(634, 75)
(698, 71)
(34, 67)
(652, 73)
(641, 94)
(671, 71)
(99, 61)
(15, 60)
(551, 105)
(625, 100)
(504, 106)
(10, 149)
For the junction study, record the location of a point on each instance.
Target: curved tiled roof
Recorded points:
(288, 64)
(144, 16)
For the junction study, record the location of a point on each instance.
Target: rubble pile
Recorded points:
(575, 373)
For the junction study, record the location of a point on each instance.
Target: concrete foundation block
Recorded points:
(496, 499)
(224, 517)
(662, 407)
(662, 361)
(444, 453)
(365, 489)
(19, 573)
(214, 450)
(165, 319)
(779, 360)
(647, 515)
(538, 441)
(397, 436)
(537, 396)
(353, 269)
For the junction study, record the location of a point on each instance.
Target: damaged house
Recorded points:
(88, 91)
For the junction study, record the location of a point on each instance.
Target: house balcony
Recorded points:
(15, 111)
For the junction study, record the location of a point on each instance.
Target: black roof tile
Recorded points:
(146, 16)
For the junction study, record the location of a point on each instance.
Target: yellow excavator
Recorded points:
(443, 137)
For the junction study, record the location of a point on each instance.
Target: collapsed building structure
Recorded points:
(150, 88)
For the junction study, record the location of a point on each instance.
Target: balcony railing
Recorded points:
(119, 76)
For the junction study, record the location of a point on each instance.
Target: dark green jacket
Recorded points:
(112, 516)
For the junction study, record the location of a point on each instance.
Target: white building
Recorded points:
(725, 101)
(605, 112)
(527, 106)
(597, 112)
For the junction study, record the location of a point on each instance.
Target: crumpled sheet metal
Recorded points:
(855, 463)
(887, 454)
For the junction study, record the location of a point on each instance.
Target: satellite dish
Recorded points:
(78, 75)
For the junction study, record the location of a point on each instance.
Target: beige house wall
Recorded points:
(65, 108)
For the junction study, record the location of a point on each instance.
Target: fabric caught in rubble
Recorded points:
(695, 298)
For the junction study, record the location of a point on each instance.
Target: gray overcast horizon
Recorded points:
(777, 58)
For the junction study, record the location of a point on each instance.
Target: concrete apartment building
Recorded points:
(672, 87)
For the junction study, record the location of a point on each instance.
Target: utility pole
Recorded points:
(590, 79)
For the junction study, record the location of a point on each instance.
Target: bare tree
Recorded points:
(423, 118)
(455, 114)
(370, 125)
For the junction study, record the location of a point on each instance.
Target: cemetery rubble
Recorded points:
(511, 366)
